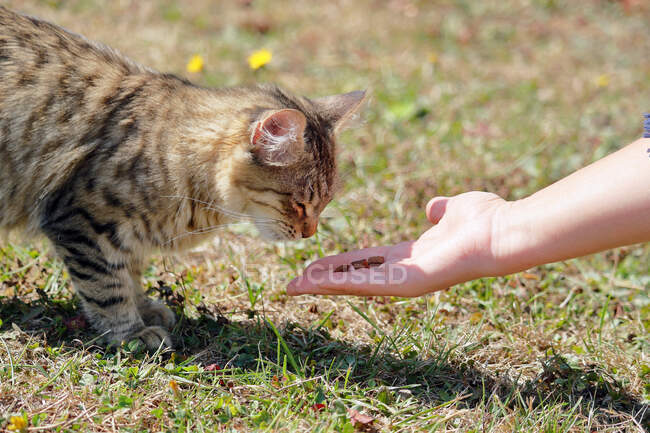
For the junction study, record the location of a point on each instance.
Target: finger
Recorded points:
(346, 258)
(436, 208)
(390, 279)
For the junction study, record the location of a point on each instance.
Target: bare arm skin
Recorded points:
(478, 234)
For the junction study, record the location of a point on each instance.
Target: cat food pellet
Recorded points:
(370, 262)
(360, 264)
(343, 268)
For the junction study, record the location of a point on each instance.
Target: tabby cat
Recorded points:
(112, 161)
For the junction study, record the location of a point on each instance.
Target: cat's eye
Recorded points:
(300, 209)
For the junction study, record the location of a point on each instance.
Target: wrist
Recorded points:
(514, 237)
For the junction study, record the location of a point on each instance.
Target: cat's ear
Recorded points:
(338, 109)
(277, 138)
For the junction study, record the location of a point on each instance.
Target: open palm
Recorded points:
(459, 247)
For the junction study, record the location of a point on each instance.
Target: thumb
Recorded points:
(436, 209)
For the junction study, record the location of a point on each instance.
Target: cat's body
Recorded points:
(111, 161)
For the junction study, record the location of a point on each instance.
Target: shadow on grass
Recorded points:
(212, 338)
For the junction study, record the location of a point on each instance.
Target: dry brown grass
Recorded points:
(500, 96)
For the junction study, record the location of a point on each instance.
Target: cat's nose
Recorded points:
(309, 227)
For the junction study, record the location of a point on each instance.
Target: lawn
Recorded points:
(501, 96)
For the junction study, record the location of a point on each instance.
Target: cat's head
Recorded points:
(286, 171)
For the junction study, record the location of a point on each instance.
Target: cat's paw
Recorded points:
(153, 337)
(155, 313)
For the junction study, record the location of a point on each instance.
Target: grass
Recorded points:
(500, 96)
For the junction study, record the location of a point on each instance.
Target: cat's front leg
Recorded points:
(152, 311)
(114, 304)
(110, 292)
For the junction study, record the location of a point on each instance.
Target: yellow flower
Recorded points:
(433, 57)
(17, 423)
(259, 58)
(195, 64)
(602, 80)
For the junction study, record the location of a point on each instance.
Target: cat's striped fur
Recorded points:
(112, 160)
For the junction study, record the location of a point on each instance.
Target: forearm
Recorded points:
(602, 206)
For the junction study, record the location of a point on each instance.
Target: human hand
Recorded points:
(458, 248)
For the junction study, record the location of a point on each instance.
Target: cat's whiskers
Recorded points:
(216, 208)
(223, 210)
(208, 229)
